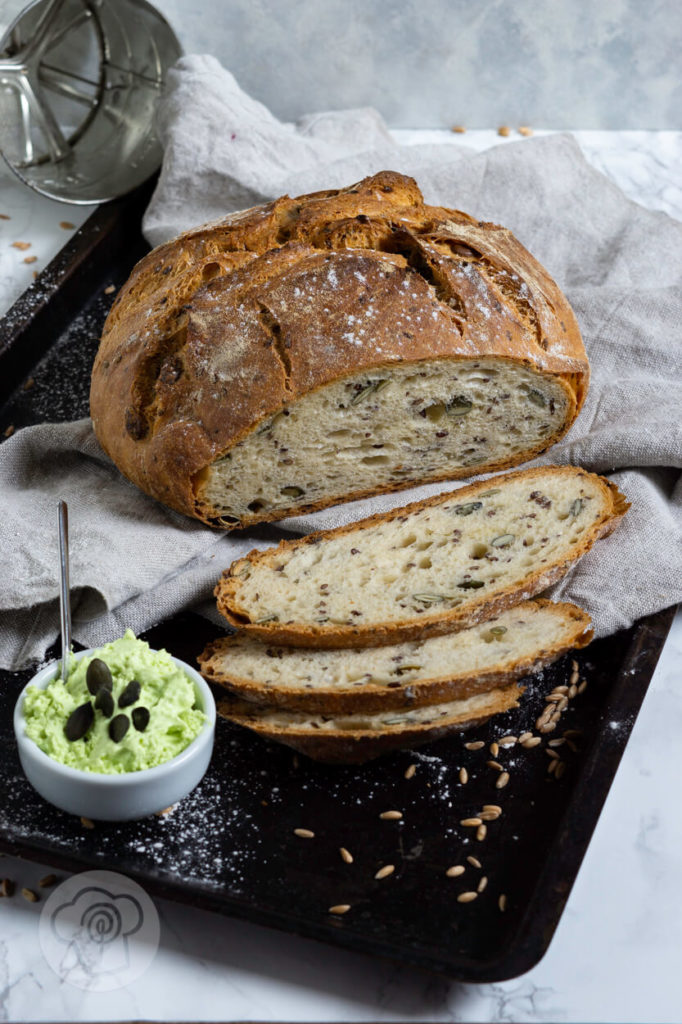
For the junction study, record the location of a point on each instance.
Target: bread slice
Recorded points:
(513, 644)
(429, 568)
(337, 345)
(355, 738)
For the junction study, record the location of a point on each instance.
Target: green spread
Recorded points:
(168, 694)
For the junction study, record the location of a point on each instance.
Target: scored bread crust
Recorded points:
(214, 663)
(472, 611)
(209, 336)
(348, 746)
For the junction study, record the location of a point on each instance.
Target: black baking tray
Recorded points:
(230, 846)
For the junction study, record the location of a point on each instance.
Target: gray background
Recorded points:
(435, 63)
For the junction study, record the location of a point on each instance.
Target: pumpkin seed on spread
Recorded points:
(471, 584)
(292, 492)
(460, 405)
(98, 675)
(104, 702)
(576, 508)
(498, 630)
(466, 510)
(140, 718)
(503, 541)
(406, 668)
(79, 721)
(489, 494)
(118, 727)
(433, 598)
(395, 721)
(266, 618)
(373, 387)
(130, 694)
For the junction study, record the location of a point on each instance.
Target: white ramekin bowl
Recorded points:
(116, 797)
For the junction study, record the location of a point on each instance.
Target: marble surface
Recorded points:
(616, 952)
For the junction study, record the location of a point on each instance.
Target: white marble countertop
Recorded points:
(616, 953)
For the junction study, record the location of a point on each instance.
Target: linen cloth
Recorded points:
(133, 562)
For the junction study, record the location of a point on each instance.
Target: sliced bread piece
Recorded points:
(520, 640)
(355, 738)
(432, 567)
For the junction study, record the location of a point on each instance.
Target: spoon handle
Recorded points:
(64, 590)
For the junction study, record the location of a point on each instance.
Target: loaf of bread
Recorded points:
(425, 569)
(321, 349)
(355, 738)
(513, 644)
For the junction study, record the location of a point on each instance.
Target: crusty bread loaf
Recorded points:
(355, 738)
(325, 348)
(429, 568)
(513, 644)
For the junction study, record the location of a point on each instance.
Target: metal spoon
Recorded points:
(64, 590)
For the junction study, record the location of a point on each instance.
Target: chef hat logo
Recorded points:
(99, 915)
(99, 930)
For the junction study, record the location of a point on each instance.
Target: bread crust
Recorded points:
(358, 746)
(476, 610)
(214, 663)
(230, 323)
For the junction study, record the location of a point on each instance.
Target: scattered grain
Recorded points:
(463, 776)
(456, 870)
(494, 749)
(110, 289)
(345, 855)
(22, 246)
(7, 887)
(459, 129)
(474, 861)
(502, 901)
(28, 384)
(560, 769)
(492, 809)
(475, 745)
(502, 781)
(30, 259)
(410, 770)
(87, 823)
(558, 742)
(532, 741)
(67, 225)
(525, 736)
(30, 895)
(3, 216)
(391, 815)
(525, 130)
(467, 897)
(9, 430)
(481, 832)
(46, 881)
(583, 686)
(575, 676)
(304, 833)
(482, 883)
(551, 753)
(496, 765)
(340, 908)
(503, 130)
(551, 767)
(575, 666)
(572, 692)
(547, 727)
(471, 822)
(165, 811)
(508, 741)
(384, 872)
